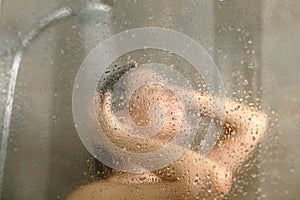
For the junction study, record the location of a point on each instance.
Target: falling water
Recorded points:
(44, 23)
(7, 114)
(56, 16)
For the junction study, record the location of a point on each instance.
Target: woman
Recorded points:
(189, 177)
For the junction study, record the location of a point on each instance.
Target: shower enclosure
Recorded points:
(43, 43)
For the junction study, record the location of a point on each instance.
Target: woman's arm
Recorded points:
(246, 126)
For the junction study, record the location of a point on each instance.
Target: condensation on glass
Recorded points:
(255, 45)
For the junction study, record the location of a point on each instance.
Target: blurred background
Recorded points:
(255, 45)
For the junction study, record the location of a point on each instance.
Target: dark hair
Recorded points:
(106, 84)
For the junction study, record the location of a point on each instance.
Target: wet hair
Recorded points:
(106, 84)
(111, 77)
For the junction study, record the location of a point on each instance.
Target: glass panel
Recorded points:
(149, 99)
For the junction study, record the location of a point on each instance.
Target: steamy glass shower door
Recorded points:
(253, 46)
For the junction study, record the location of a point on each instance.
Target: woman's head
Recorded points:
(151, 119)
